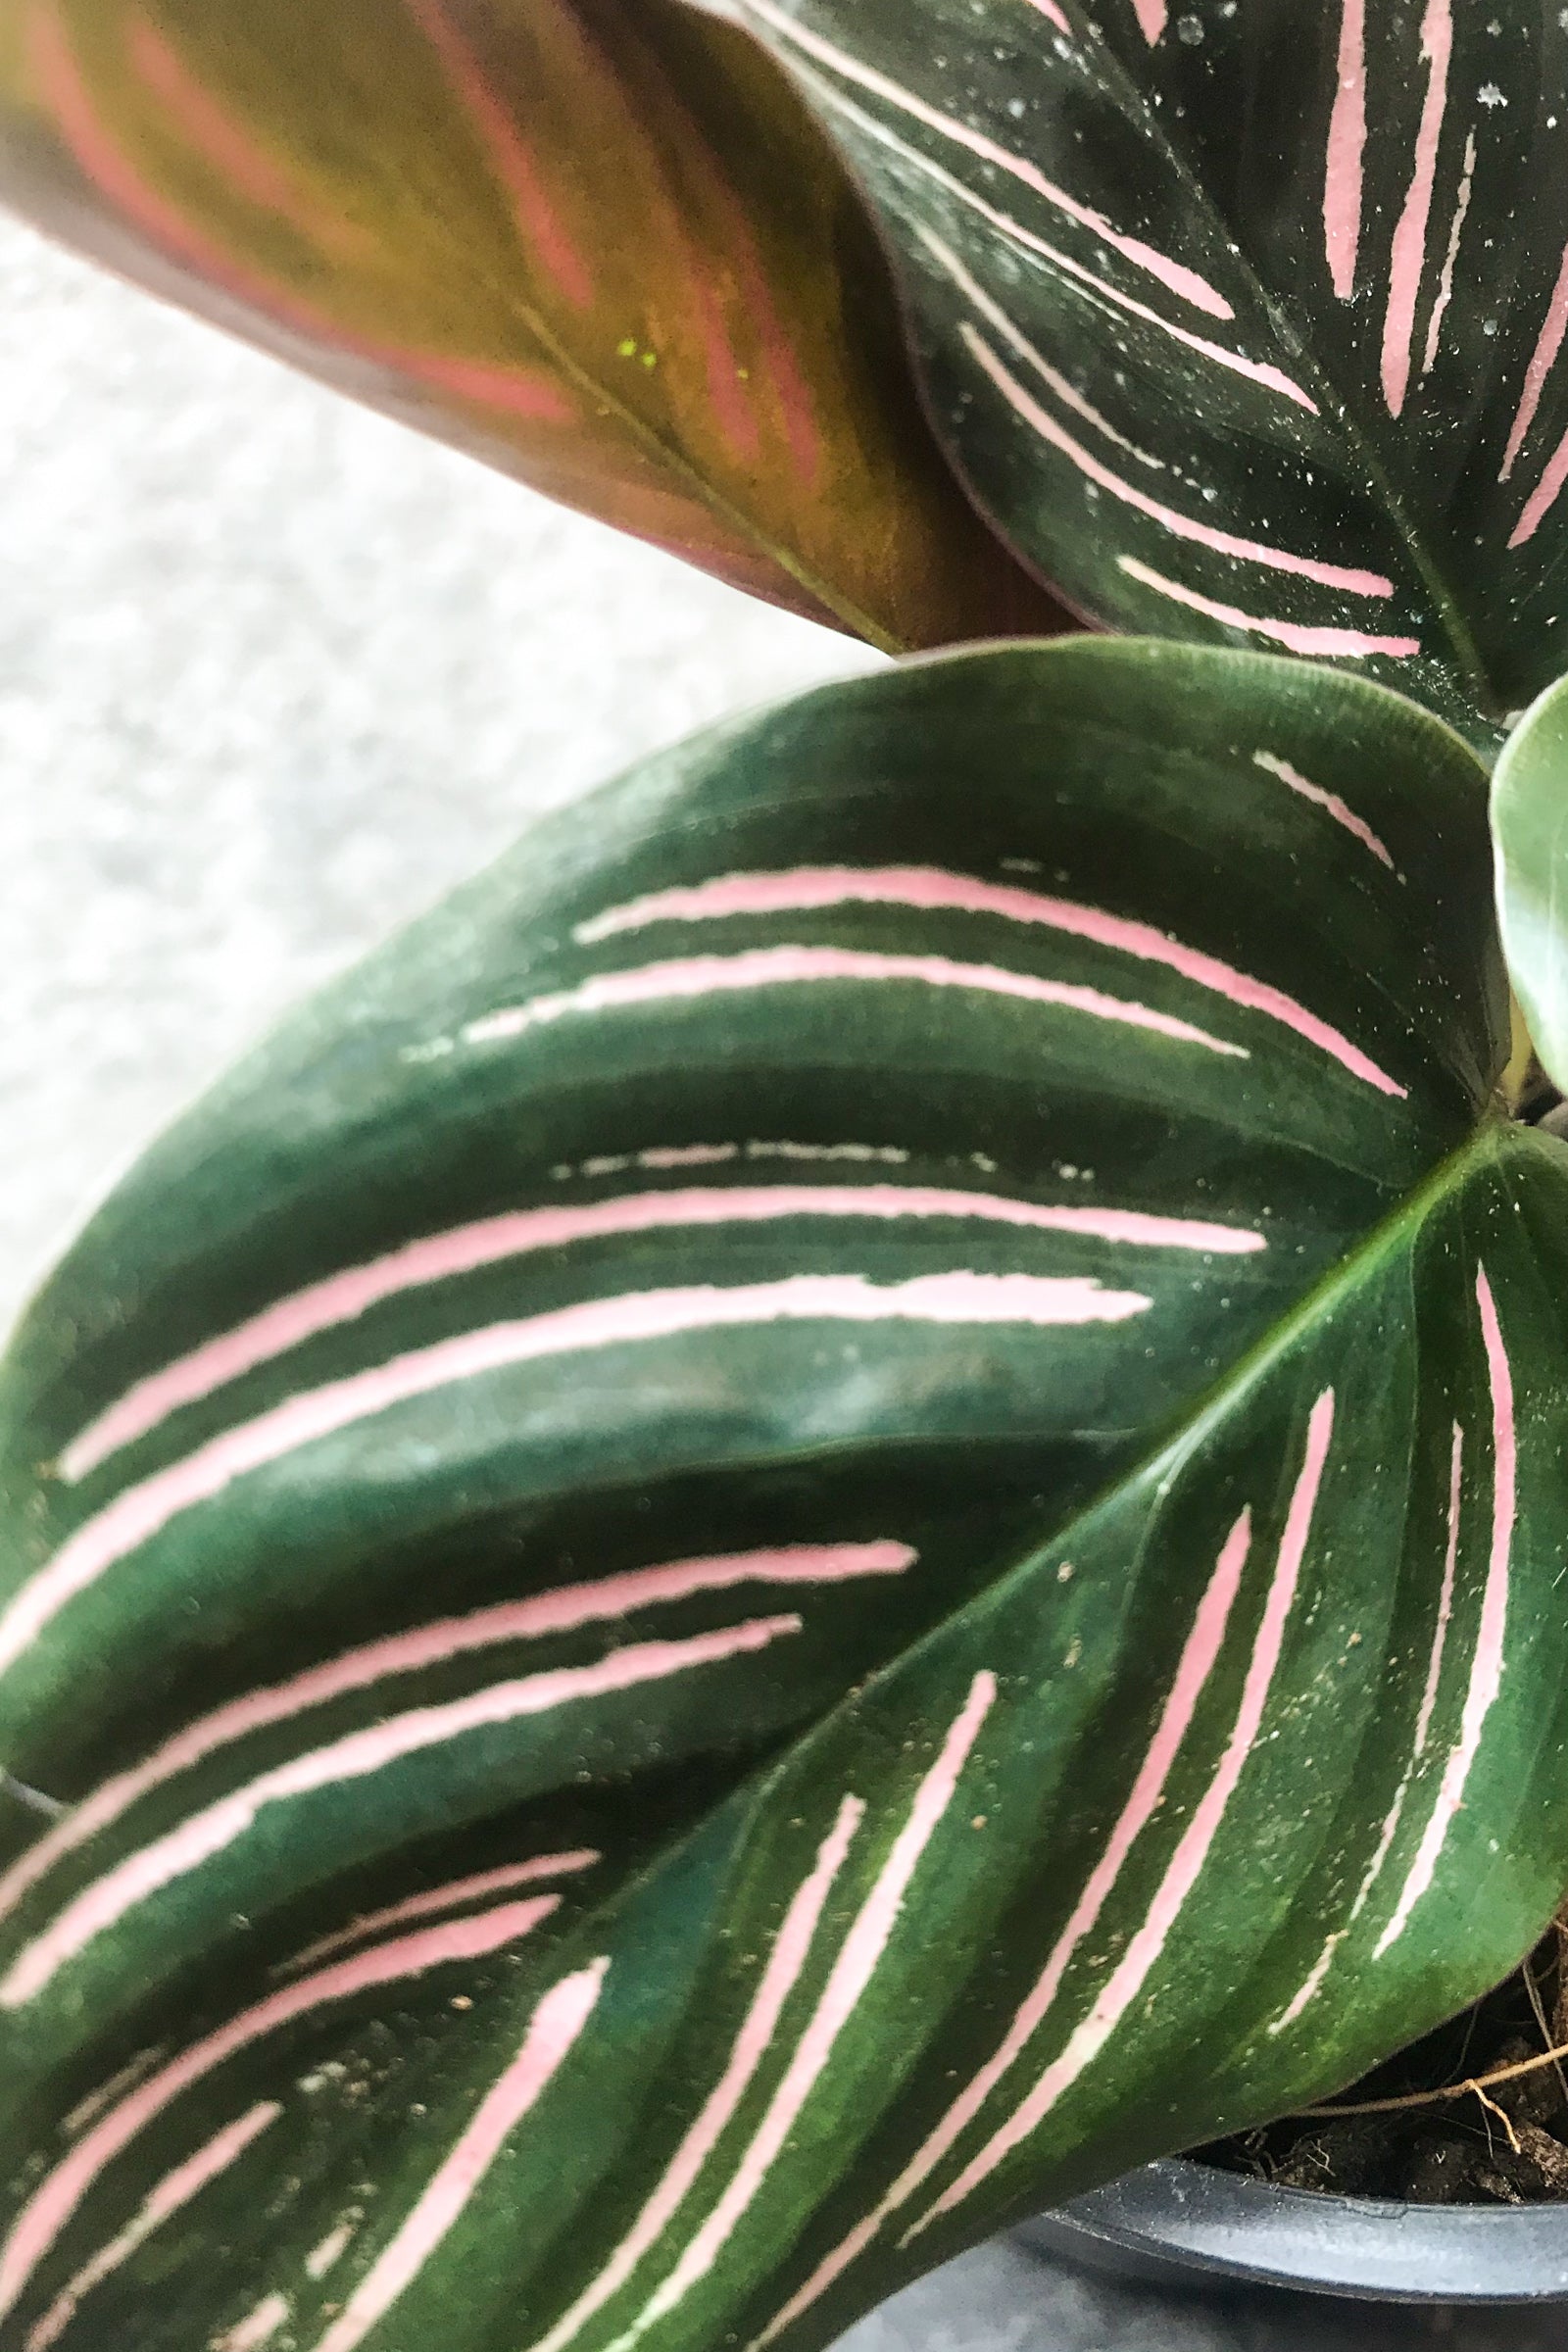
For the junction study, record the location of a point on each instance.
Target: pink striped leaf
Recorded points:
(1242, 324)
(598, 243)
(838, 1507)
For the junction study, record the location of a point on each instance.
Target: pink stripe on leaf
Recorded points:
(1175, 276)
(555, 2028)
(133, 1518)
(933, 890)
(491, 1240)
(689, 979)
(1408, 255)
(1346, 145)
(450, 1897)
(170, 2195)
(47, 2212)
(1331, 644)
(1330, 801)
(204, 1834)
(564, 1609)
(1352, 579)
(509, 155)
(1490, 1650)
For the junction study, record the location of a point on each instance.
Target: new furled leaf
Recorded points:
(835, 1510)
(1529, 813)
(1244, 325)
(596, 242)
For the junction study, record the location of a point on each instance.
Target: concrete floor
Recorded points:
(272, 673)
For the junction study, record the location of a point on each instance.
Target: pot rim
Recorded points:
(1179, 2216)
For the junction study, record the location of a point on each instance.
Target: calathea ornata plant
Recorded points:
(844, 1504)
(840, 1506)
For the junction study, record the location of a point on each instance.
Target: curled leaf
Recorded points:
(599, 244)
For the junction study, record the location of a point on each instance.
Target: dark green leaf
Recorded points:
(838, 1507)
(597, 242)
(1243, 323)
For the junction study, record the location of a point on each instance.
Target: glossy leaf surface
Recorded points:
(1244, 324)
(838, 1507)
(597, 242)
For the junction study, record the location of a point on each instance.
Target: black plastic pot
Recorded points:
(1190, 2223)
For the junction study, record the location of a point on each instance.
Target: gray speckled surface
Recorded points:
(272, 673)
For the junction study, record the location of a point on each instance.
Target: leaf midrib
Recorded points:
(597, 393)
(1450, 1175)
(746, 528)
